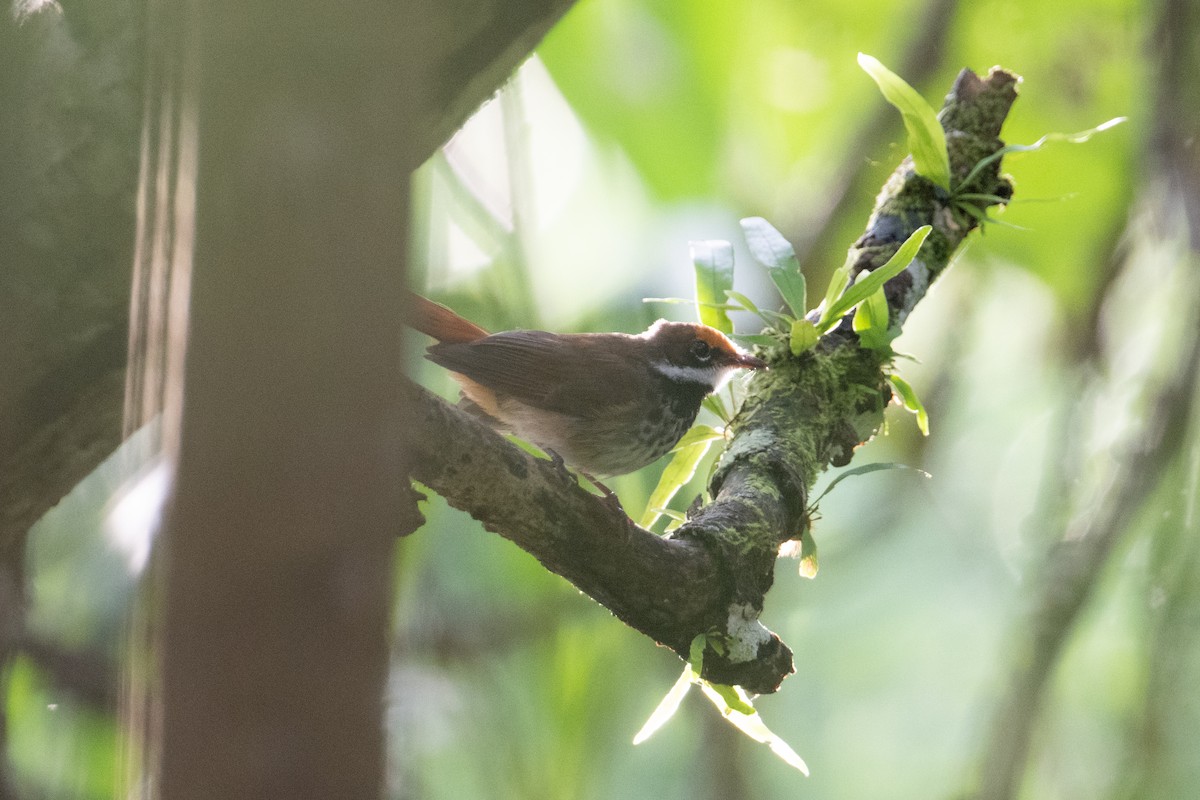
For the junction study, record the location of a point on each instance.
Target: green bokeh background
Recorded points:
(673, 119)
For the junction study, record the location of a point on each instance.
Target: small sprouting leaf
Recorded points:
(910, 400)
(803, 336)
(871, 322)
(772, 250)
(667, 707)
(713, 263)
(864, 287)
(926, 138)
(678, 472)
(751, 724)
(696, 652)
(808, 556)
(837, 284)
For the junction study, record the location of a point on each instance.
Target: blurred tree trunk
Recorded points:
(290, 201)
(305, 146)
(296, 134)
(1148, 461)
(1166, 760)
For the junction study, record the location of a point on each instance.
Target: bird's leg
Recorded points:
(560, 466)
(610, 497)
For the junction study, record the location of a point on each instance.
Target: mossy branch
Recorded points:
(811, 411)
(805, 414)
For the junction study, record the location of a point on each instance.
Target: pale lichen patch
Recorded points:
(746, 633)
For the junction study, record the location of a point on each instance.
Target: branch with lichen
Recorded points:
(808, 412)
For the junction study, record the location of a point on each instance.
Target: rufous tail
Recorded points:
(434, 319)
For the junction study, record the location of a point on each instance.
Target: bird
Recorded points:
(606, 404)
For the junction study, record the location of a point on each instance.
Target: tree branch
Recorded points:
(803, 415)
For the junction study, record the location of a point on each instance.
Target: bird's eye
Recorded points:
(701, 350)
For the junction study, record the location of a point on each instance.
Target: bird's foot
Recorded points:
(610, 497)
(560, 467)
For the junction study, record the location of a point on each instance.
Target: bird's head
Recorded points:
(696, 354)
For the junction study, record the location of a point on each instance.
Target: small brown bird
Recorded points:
(605, 403)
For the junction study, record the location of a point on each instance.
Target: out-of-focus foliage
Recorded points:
(755, 104)
(644, 125)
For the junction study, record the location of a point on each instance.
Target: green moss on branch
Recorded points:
(812, 411)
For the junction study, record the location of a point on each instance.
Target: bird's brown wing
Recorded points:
(563, 373)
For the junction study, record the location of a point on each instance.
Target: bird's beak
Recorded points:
(749, 362)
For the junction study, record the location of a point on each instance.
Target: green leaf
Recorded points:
(716, 406)
(760, 339)
(864, 287)
(792, 288)
(994, 199)
(682, 300)
(678, 472)
(696, 652)
(767, 245)
(780, 322)
(865, 469)
(697, 434)
(733, 698)
(667, 706)
(803, 336)
(1071, 138)
(808, 556)
(926, 138)
(772, 250)
(837, 284)
(984, 219)
(752, 725)
(872, 314)
(743, 302)
(713, 263)
(772, 319)
(672, 514)
(910, 400)
(673, 301)
(871, 322)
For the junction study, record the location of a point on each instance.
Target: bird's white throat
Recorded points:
(712, 376)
